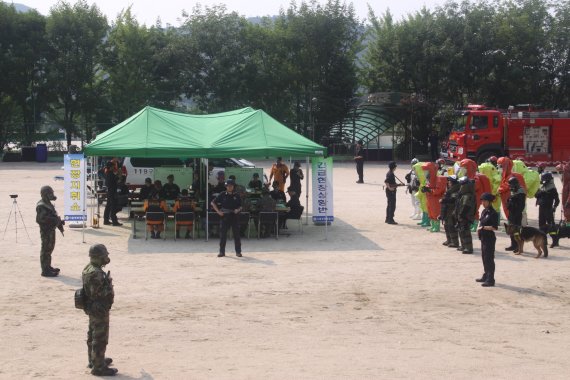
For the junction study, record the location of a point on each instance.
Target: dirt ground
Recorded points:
(365, 301)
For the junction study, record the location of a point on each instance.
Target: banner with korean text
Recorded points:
(322, 190)
(74, 166)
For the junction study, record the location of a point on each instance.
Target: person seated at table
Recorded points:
(170, 189)
(158, 192)
(276, 193)
(184, 203)
(295, 208)
(238, 188)
(265, 204)
(221, 186)
(255, 183)
(146, 190)
(155, 205)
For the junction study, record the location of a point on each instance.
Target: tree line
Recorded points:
(74, 69)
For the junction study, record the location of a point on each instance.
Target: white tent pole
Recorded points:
(206, 203)
(93, 188)
(326, 208)
(307, 194)
(84, 222)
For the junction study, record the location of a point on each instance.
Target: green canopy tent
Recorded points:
(241, 133)
(244, 133)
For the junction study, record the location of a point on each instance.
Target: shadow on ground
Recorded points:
(340, 236)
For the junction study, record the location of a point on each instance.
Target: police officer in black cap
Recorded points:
(391, 187)
(488, 224)
(516, 205)
(229, 209)
(359, 159)
(547, 200)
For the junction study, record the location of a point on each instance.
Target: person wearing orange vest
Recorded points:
(155, 227)
(280, 172)
(184, 204)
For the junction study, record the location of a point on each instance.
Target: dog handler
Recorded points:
(488, 224)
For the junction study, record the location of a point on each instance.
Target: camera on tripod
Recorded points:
(14, 196)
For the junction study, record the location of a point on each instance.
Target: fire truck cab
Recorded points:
(520, 133)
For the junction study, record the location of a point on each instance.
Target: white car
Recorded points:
(220, 164)
(139, 168)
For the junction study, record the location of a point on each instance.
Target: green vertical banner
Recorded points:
(322, 190)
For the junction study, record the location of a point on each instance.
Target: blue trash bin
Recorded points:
(41, 152)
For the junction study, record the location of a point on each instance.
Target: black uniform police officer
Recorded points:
(230, 207)
(391, 188)
(488, 224)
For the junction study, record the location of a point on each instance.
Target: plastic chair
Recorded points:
(267, 218)
(184, 216)
(155, 217)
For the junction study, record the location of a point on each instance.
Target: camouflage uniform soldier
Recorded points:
(47, 218)
(465, 212)
(448, 212)
(99, 294)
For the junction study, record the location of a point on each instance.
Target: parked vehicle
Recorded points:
(139, 168)
(520, 133)
(217, 165)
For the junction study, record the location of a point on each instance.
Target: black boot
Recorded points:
(483, 278)
(513, 245)
(555, 240)
(490, 281)
(107, 362)
(49, 273)
(158, 235)
(54, 269)
(105, 371)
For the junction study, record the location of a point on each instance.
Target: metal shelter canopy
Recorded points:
(371, 116)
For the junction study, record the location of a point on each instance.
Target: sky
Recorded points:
(169, 11)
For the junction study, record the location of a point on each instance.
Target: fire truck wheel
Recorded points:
(482, 157)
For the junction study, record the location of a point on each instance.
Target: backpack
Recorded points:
(80, 299)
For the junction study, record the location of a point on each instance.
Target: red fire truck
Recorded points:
(521, 132)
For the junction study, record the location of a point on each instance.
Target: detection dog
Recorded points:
(522, 234)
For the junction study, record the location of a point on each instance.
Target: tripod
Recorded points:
(16, 211)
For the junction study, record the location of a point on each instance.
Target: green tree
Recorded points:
(23, 52)
(140, 66)
(558, 61)
(75, 33)
(216, 52)
(322, 43)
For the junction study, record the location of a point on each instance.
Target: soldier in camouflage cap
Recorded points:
(47, 218)
(99, 294)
